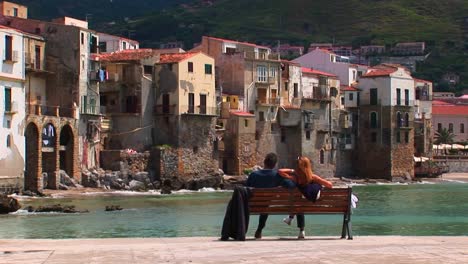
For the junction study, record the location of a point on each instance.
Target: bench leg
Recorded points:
(349, 228)
(343, 230)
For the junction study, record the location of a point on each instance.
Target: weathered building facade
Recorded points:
(185, 116)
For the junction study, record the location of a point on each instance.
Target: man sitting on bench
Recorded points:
(268, 177)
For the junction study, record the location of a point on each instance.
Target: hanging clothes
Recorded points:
(102, 75)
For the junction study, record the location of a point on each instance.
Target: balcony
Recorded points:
(90, 109)
(10, 56)
(402, 102)
(165, 109)
(265, 80)
(47, 110)
(268, 101)
(322, 125)
(32, 64)
(260, 56)
(199, 110)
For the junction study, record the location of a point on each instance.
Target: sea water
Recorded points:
(407, 210)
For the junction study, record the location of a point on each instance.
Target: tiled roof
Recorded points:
(128, 55)
(241, 113)
(348, 88)
(440, 102)
(379, 72)
(313, 71)
(450, 110)
(421, 80)
(238, 42)
(175, 57)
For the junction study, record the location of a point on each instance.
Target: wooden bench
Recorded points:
(291, 201)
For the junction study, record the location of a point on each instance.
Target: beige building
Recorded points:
(185, 116)
(13, 9)
(248, 70)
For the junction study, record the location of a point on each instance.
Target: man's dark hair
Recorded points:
(270, 160)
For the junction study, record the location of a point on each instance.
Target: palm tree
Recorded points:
(444, 136)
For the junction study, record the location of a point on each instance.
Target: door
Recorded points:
(202, 103)
(373, 96)
(191, 103)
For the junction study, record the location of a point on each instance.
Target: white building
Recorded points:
(387, 86)
(12, 108)
(110, 43)
(328, 61)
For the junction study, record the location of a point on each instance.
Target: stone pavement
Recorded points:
(363, 249)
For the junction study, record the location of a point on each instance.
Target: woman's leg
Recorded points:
(301, 225)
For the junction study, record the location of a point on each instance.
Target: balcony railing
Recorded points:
(47, 110)
(90, 109)
(268, 101)
(11, 56)
(165, 109)
(199, 110)
(260, 55)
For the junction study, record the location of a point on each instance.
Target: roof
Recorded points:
(128, 55)
(119, 37)
(176, 57)
(241, 113)
(421, 80)
(348, 88)
(450, 110)
(22, 32)
(440, 102)
(379, 73)
(238, 42)
(313, 71)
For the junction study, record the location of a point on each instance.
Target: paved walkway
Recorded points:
(366, 249)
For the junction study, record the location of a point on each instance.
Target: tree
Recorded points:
(444, 136)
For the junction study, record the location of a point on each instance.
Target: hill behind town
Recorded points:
(440, 24)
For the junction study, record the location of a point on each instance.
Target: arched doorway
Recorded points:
(49, 155)
(32, 179)
(66, 150)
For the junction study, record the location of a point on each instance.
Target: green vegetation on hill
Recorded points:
(300, 22)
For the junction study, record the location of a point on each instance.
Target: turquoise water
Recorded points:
(416, 210)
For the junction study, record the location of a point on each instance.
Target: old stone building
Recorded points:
(127, 98)
(386, 123)
(67, 64)
(185, 117)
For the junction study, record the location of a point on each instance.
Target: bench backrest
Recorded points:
(291, 201)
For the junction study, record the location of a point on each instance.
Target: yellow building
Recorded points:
(185, 84)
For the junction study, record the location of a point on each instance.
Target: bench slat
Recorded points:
(305, 210)
(298, 203)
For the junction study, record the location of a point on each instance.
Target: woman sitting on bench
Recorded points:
(308, 183)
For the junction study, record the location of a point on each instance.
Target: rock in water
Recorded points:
(8, 204)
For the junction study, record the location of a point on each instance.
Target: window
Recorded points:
(246, 122)
(399, 120)
(351, 96)
(272, 71)
(82, 38)
(202, 103)
(8, 141)
(296, 90)
(342, 100)
(147, 69)
(208, 69)
(261, 116)
(322, 156)
(165, 104)
(406, 97)
(406, 137)
(406, 120)
(462, 128)
(190, 66)
(261, 73)
(15, 11)
(8, 48)
(373, 96)
(354, 75)
(230, 50)
(373, 120)
(7, 99)
(398, 139)
(450, 128)
(124, 45)
(439, 127)
(308, 135)
(286, 86)
(191, 103)
(102, 46)
(398, 96)
(373, 137)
